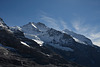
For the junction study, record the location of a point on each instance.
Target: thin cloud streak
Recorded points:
(76, 25)
(79, 26)
(95, 36)
(97, 42)
(64, 24)
(50, 21)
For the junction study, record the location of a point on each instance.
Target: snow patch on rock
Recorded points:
(39, 42)
(24, 44)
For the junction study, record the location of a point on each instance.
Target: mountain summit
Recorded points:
(2, 24)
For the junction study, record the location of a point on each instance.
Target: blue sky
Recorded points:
(80, 16)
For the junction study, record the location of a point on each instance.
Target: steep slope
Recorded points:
(18, 51)
(2, 24)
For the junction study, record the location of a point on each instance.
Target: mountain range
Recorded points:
(36, 45)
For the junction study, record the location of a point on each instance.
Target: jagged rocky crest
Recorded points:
(2, 24)
(35, 44)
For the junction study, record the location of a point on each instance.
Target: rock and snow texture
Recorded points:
(79, 38)
(15, 28)
(41, 26)
(42, 34)
(30, 29)
(58, 39)
(39, 42)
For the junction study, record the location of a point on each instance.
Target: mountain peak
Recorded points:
(2, 24)
(41, 26)
(39, 23)
(32, 24)
(1, 19)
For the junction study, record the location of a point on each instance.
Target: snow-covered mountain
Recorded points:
(39, 29)
(42, 34)
(36, 39)
(18, 51)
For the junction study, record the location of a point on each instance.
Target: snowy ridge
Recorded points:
(39, 42)
(15, 28)
(41, 26)
(79, 38)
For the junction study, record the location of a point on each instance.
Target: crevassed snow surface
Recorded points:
(35, 38)
(60, 47)
(24, 44)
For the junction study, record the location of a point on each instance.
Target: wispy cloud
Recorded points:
(95, 35)
(50, 22)
(97, 42)
(76, 25)
(79, 25)
(95, 38)
(64, 24)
